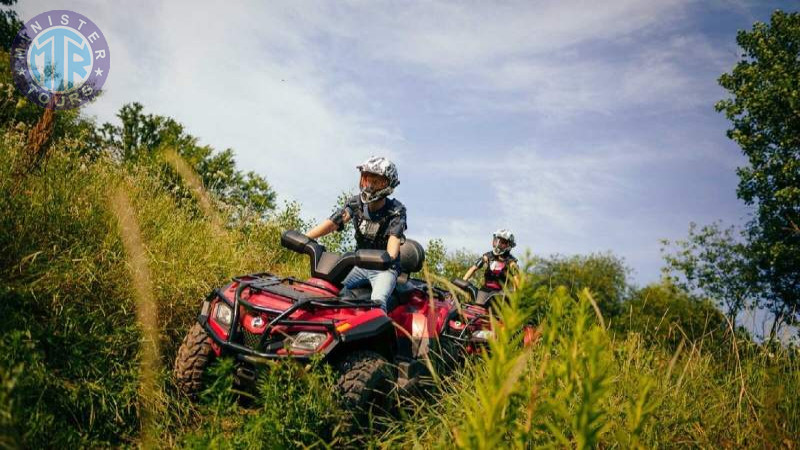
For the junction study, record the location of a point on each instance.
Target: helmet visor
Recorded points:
(371, 182)
(501, 243)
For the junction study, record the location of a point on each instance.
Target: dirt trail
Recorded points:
(146, 314)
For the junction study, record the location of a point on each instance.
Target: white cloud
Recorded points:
(450, 36)
(251, 78)
(264, 78)
(559, 59)
(245, 76)
(561, 189)
(458, 233)
(303, 91)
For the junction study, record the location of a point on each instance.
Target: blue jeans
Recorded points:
(382, 281)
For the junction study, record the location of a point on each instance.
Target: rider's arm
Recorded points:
(478, 264)
(470, 272)
(397, 225)
(326, 227)
(333, 223)
(393, 247)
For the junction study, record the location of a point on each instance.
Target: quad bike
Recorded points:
(263, 317)
(475, 329)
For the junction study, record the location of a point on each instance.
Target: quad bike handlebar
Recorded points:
(478, 296)
(462, 284)
(296, 241)
(466, 286)
(331, 266)
(373, 259)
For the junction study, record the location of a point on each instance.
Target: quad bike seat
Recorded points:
(485, 296)
(334, 267)
(364, 293)
(412, 257)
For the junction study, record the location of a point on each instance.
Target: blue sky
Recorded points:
(583, 126)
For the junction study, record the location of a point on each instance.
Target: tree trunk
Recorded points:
(38, 141)
(773, 332)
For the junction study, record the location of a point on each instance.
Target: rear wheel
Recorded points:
(194, 356)
(365, 383)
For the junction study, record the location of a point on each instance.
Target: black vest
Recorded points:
(374, 228)
(497, 269)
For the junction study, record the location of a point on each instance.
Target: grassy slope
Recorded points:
(69, 367)
(69, 372)
(583, 387)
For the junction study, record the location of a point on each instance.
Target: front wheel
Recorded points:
(365, 383)
(194, 357)
(448, 354)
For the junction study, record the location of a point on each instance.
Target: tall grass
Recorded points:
(69, 336)
(71, 340)
(70, 376)
(295, 407)
(146, 308)
(584, 387)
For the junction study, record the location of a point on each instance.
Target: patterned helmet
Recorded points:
(505, 234)
(379, 165)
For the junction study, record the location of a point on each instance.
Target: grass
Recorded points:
(585, 387)
(70, 372)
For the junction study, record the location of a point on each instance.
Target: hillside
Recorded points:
(617, 365)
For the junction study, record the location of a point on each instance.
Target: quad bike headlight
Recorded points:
(305, 340)
(483, 335)
(223, 314)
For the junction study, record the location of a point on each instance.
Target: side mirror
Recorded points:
(295, 241)
(373, 259)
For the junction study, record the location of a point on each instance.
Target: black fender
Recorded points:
(377, 335)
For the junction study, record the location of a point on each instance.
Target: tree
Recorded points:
(665, 314)
(764, 109)
(435, 255)
(603, 274)
(449, 264)
(142, 137)
(712, 261)
(9, 24)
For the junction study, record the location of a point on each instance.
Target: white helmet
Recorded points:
(506, 235)
(379, 165)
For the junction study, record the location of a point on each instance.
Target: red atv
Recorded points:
(263, 317)
(472, 328)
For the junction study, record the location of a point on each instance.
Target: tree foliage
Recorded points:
(713, 262)
(603, 274)
(9, 24)
(449, 264)
(665, 314)
(343, 240)
(142, 137)
(764, 109)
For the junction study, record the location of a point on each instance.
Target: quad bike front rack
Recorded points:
(464, 335)
(276, 286)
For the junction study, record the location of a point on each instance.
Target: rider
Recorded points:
(379, 223)
(499, 262)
